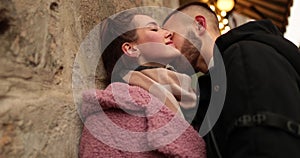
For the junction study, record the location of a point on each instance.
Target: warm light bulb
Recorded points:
(227, 28)
(212, 7)
(223, 13)
(225, 21)
(226, 5)
(223, 32)
(219, 17)
(221, 25)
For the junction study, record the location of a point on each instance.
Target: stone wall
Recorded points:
(39, 41)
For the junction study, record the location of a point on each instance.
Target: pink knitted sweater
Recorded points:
(127, 121)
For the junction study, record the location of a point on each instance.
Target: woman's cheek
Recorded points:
(154, 37)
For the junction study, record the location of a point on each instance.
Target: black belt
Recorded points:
(267, 119)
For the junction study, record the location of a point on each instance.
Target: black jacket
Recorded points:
(263, 77)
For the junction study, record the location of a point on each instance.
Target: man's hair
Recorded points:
(211, 14)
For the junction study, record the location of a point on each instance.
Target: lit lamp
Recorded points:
(222, 7)
(225, 5)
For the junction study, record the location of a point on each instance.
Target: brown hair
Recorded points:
(115, 32)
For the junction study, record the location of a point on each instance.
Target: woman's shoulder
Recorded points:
(117, 95)
(116, 91)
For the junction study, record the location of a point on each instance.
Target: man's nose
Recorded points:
(169, 34)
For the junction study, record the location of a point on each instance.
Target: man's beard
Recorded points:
(190, 49)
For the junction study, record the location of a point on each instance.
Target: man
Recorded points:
(260, 117)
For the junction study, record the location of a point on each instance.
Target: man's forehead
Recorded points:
(177, 21)
(183, 16)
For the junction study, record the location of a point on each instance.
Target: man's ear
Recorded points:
(200, 24)
(130, 50)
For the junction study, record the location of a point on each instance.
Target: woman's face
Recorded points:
(155, 44)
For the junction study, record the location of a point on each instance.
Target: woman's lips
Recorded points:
(170, 43)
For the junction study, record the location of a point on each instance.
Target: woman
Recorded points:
(140, 111)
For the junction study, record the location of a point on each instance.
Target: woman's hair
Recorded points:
(114, 33)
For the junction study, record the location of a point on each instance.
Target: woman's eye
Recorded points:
(153, 28)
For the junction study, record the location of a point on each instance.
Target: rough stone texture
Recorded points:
(39, 41)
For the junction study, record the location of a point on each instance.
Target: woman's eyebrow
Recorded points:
(152, 23)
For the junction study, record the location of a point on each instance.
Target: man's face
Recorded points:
(184, 37)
